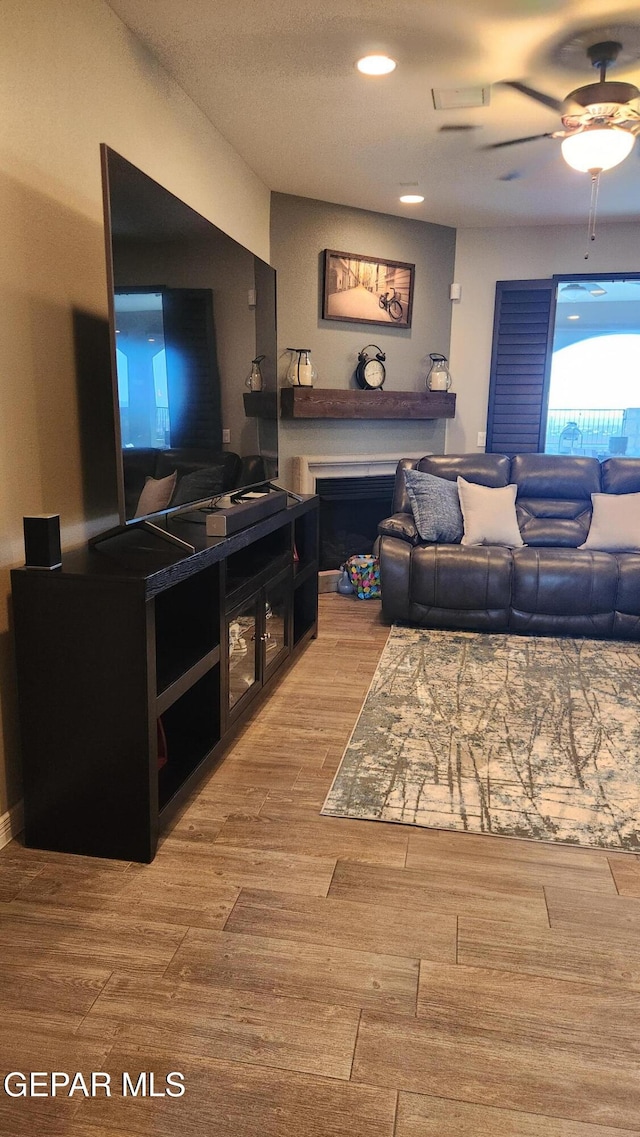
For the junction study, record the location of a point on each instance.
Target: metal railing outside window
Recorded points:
(598, 433)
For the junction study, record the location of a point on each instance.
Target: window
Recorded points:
(565, 369)
(594, 386)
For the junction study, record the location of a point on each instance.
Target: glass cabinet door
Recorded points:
(277, 623)
(244, 643)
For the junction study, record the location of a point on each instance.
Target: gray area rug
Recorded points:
(517, 736)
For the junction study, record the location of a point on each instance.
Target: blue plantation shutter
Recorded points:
(520, 360)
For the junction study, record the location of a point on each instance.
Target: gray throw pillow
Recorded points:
(435, 505)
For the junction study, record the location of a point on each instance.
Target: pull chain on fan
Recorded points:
(593, 205)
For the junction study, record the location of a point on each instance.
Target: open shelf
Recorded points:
(187, 621)
(305, 607)
(265, 557)
(192, 729)
(178, 688)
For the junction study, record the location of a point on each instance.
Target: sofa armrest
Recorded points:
(400, 525)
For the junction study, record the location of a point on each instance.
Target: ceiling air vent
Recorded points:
(460, 98)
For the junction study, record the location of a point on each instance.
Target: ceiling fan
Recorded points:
(600, 121)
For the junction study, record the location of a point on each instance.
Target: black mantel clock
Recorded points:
(370, 372)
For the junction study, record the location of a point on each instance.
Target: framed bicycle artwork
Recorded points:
(367, 290)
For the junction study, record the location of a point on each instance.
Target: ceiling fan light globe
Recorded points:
(597, 148)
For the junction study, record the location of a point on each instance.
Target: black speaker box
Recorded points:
(42, 541)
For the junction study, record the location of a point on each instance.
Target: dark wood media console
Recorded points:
(137, 665)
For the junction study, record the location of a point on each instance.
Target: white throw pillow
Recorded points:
(489, 515)
(615, 523)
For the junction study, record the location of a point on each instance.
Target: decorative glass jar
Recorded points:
(439, 377)
(301, 371)
(254, 378)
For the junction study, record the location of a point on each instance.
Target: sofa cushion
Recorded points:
(620, 475)
(563, 588)
(554, 497)
(489, 515)
(483, 469)
(435, 505)
(562, 477)
(555, 524)
(473, 578)
(626, 620)
(615, 523)
(628, 594)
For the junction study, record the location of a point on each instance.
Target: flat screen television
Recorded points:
(190, 310)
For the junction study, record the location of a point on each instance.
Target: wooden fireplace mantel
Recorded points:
(335, 403)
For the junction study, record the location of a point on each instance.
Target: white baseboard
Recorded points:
(11, 823)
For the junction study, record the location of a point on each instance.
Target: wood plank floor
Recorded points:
(319, 977)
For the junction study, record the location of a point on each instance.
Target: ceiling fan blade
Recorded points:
(539, 96)
(516, 141)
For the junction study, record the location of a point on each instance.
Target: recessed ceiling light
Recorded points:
(573, 317)
(598, 291)
(411, 198)
(376, 65)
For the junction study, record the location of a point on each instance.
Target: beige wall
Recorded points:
(71, 76)
(301, 229)
(484, 256)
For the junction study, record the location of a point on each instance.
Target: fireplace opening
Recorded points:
(350, 511)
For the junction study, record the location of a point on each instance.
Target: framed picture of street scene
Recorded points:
(367, 290)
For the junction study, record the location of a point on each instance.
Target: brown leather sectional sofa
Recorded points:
(549, 586)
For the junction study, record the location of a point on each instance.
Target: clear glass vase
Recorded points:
(301, 372)
(439, 377)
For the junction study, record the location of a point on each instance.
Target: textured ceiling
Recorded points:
(277, 79)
